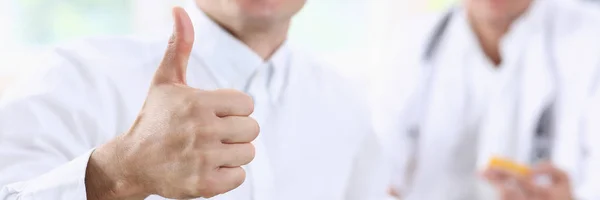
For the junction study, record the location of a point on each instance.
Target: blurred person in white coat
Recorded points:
(518, 79)
(117, 118)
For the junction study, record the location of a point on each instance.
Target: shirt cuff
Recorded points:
(65, 182)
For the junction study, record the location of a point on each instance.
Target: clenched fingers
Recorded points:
(239, 129)
(236, 155)
(229, 179)
(227, 102)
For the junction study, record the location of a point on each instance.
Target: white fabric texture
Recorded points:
(316, 138)
(464, 125)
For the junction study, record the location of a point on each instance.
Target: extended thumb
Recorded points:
(174, 64)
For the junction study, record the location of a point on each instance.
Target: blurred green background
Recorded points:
(46, 21)
(343, 32)
(436, 5)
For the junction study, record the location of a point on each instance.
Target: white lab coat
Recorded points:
(316, 139)
(443, 163)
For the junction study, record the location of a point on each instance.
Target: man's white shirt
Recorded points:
(316, 137)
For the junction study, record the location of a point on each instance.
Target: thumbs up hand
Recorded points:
(186, 143)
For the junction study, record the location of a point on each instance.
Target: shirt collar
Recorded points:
(532, 22)
(516, 39)
(231, 61)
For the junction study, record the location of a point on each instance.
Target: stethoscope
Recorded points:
(544, 131)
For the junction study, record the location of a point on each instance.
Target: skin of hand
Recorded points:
(185, 143)
(394, 193)
(517, 187)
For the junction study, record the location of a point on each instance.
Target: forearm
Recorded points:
(106, 177)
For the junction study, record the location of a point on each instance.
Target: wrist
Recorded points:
(107, 177)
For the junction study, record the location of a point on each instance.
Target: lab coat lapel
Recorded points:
(441, 130)
(509, 123)
(497, 132)
(536, 95)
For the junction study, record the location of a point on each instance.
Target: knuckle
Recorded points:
(239, 97)
(207, 159)
(205, 132)
(186, 103)
(202, 162)
(195, 186)
(205, 188)
(207, 126)
(208, 130)
(199, 94)
(194, 101)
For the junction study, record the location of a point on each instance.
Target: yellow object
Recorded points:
(509, 165)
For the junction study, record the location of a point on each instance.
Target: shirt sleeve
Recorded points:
(64, 182)
(49, 125)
